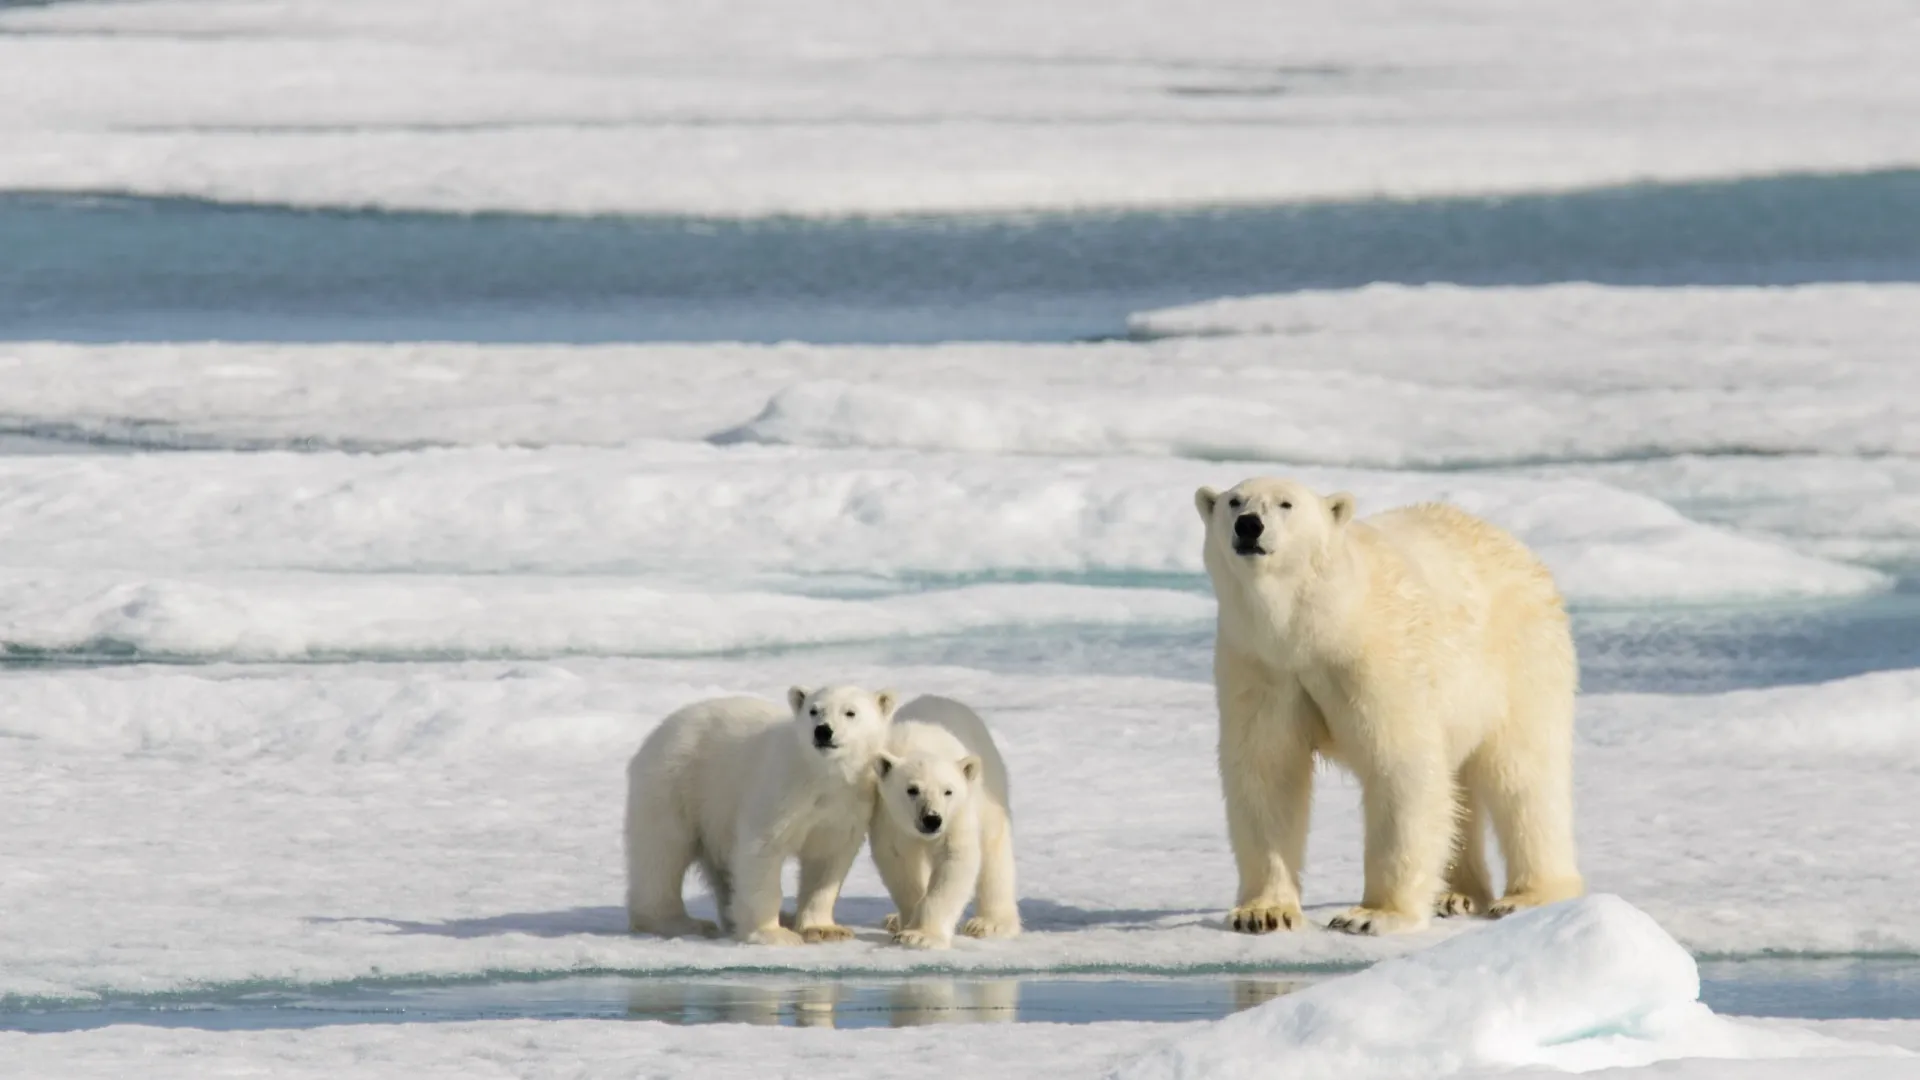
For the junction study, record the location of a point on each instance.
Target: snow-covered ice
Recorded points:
(889, 107)
(1583, 985)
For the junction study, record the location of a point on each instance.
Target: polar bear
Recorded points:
(942, 828)
(736, 786)
(1423, 649)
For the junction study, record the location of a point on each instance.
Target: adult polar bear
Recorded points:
(1426, 651)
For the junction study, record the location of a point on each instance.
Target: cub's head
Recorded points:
(844, 723)
(1268, 523)
(926, 778)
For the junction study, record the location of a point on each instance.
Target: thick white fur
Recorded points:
(941, 760)
(1426, 651)
(737, 786)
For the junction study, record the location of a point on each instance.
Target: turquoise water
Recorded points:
(111, 267)
(1881, 989)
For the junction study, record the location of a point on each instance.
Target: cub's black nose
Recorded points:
(1248, 526)
(823, 735)
(930, 823)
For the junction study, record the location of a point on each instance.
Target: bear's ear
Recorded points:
(797, 696)
(970, 768)
(1340, 505)
(884, 764)
(1203, 501)
(888, 702)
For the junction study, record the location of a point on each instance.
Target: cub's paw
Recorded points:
(814, 935)
(891, 924)
(774, 935)
(1452, 903)
(982, 927)
(919, 939)
(1366, 920)
(1266, 918)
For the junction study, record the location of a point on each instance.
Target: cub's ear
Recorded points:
(888, 702)
(1340, 505)
(970, 768)
(884, 764)
(797, 696)
(1203, 501)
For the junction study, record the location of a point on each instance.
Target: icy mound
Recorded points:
(1593, 983)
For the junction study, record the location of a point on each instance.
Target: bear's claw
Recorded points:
(1265, 918)
(978, 927)
(918, 939)
(814, 935)
(1363, 920)
(1453, 903)
(775, 935)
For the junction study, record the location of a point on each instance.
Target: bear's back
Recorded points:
(966, 726)
(1462, 556)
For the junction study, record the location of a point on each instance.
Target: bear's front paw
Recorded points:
(985, 928)
(1265, 918)
(1450, 904)
(774, 935)
(1366, 920)
(814, 935)
(919, 939)
(891, 924)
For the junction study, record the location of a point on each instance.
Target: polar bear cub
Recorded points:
(1425, 650)
(737, 786)
(942, 829)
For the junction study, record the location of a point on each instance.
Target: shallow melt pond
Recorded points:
(1873, 989)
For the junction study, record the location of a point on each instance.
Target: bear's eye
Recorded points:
(913, 791)
(815, 711)
(949, 791)
(1286, 506)
(849, 714)
(1233, 503)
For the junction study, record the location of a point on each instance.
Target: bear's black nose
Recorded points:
(929, 823)
(1248, 526)
(823, 735)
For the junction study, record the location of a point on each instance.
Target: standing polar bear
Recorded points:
(736, 786)
(1426, 651)
(943, 827)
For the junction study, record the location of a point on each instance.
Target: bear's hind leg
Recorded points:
(1469, 884)
(659, 851)
(1529, 797)
(996, 911)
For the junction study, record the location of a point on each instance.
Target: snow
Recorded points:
(550, 1050)
(1590, 983)
(828, 108)
(264, 809)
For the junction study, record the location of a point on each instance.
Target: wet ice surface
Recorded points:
(1809, 989)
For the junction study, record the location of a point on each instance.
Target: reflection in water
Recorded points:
(842, 1003)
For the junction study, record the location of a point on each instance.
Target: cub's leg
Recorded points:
(996, 910)
(824, 861)
(659, 848)
(755, 912)
(956, 869)
(904, 868)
